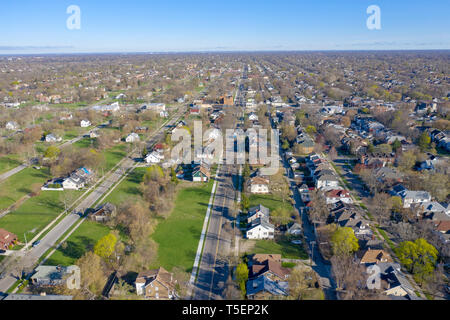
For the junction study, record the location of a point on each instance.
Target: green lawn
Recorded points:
(269, 201)
(35, 213)
(84, 143)
(9, 162)
(83, 239)
(128, 189)
(178, 236)
(114, 155)
(282, 246)
(18, 185)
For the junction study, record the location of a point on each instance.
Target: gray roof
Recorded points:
(264, 222)
(262, 283)
(259, 208)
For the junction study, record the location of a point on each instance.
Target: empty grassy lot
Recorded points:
(128, 189)
(178, 236)
(9, 162)
(35, 213)
(82, 240)
(270, 201)
(281, 245)
(19, 184)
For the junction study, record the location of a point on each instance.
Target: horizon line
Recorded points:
(218, 51)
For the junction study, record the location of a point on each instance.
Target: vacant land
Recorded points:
(82, 240)
(35, 213)
(178, 236)
(128, 189)
(282, 245)
(270, 201)
(9, 162)
(18, 185)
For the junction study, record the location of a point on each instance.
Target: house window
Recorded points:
(156, 288)
(157, 295)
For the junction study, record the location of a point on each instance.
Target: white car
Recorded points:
(296, 241)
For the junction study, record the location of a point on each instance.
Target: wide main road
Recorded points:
(32, 256)
(213, 269)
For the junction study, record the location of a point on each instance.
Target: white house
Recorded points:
(336, 195)
(12, 125)
(72, 183)
(414, 197)
(52, 138)
(85, 123)
(132, 137)
(253, 117)
(154, 157)
(257, 212)
(259, 185)
(260, 229)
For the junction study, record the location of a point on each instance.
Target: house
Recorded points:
(77, 179)
(413, 197)
(12, 125)
(294, 229)
(53, 275)
(388, 176)
(132, 137)
(85, 123)
(263, 288)
(256, 212)
(376, 256)
(94, 134)
(305, 145)
(158, 107)
(7, 239)
(260, 228)
(157, 284)
(253, 117)
(394, 282)
(200, 173)
(326, 179)
(258, 185)
(154, 157)
(103, 212)
(335, 195)
(271, 267)
(52, 138)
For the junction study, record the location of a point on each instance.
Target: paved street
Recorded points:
(213, 271)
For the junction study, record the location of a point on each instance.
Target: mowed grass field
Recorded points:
(9, 162)
(283, 246)
(36, 213)
(178, 236)
(128, 189)
(19, 184)
(270, 201)
(82, 240)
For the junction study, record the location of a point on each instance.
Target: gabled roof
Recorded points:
(161, 275)
(259, 208)
(263, 283)
(375, 256)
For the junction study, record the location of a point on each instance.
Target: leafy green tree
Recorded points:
(424, 141)
(311, 129)
(396, 145)
(52, 152)
(242, 276)
(153, 173)
(418, 257)
(173, 176)
(105, 246)
(245, 202)
(397, 204)
(285, 145)
(344, 241)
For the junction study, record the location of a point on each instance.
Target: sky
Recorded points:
(30, 26)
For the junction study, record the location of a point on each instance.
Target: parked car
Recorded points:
(36, 243)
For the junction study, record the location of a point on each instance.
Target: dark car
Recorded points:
(36, 243)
